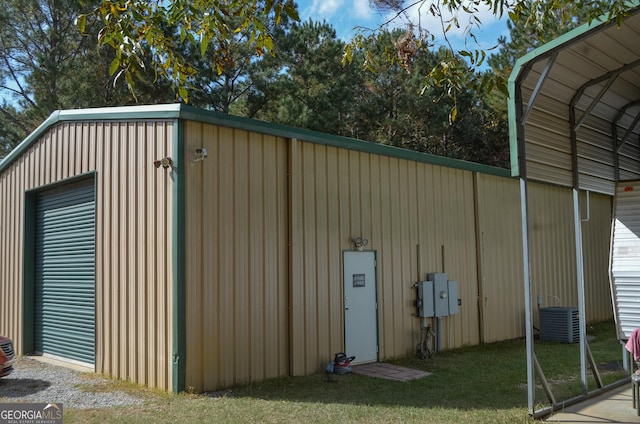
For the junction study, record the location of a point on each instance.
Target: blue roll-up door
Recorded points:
(65, 272)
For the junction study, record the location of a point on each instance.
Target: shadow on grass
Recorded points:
(461, 379)
(491, 377)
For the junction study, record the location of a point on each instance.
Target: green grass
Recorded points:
(479, 384)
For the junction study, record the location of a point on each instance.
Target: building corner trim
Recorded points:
(178, 258)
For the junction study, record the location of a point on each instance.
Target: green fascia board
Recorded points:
(180, 111)
(543, 52)
(201, 115)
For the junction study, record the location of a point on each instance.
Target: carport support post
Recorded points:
(577, 223)
(580, 277)
(527, 296)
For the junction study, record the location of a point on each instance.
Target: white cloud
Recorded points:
(324, 9)
(421, 15)
(344, 15)
(361, 10)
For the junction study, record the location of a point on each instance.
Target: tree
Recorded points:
(135, 31)
(10, 133)
(39, 44)
(127, 26)
(399, 110)
(524, 36)
(304, 84)
(221, 88)
(46, 64)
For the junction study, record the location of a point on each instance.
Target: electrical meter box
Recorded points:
(438, 296)
(425, 294)
(454, 301)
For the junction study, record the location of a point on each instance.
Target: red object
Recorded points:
(633, 344)
(628, 189)
(6, 356)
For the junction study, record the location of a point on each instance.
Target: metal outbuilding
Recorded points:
(574, 112)
(228, 250)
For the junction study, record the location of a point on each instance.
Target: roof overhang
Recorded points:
(574, 107)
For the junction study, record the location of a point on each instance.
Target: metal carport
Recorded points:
(574, 109)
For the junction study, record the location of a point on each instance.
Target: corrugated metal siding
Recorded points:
(596, 236)
(414, 215)
(549, 158)
(133, 248)
(11, 247)
(625, 257)
(236, 253)
(552, 248)
(591, 69)
(267, 220)
(397, 205)
(627, 157)
(552, 253)
(500, 257)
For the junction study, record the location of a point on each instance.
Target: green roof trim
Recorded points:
(237, 122)
(180, 111)
(524, 64)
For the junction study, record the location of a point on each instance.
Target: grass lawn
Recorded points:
(479, 384)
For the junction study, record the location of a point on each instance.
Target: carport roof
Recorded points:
(574, 107)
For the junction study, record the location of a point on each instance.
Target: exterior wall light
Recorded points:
(164, 162)
(200, 154)
(360, 242)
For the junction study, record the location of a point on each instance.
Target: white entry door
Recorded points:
(360, 306)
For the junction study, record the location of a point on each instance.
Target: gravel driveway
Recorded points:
(36, 381)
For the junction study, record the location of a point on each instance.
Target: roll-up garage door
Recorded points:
(65, 272)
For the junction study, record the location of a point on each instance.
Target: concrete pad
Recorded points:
(614, 406)
(62, 363)
(389, 371)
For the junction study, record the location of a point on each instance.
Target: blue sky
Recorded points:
(344, 15)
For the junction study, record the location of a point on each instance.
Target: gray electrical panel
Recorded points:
(425, 294)
(437, 297)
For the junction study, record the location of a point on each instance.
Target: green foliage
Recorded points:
(135, 29)
(221, 89)
(524, 36)
(305, 84)
(150, 33)
(40, 50)
(46, 64)
(253, 58)
(451, 73)
(11, 132)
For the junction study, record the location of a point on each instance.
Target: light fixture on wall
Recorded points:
(200, 154)
(164, 162)
(360, 242)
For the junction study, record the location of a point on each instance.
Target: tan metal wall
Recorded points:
(133, 244)
(500, 258)
(596, 235)
(397, 205)
(236, 257)
(268, 220)
(552, 251)
(11, 247)
(552, 246)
